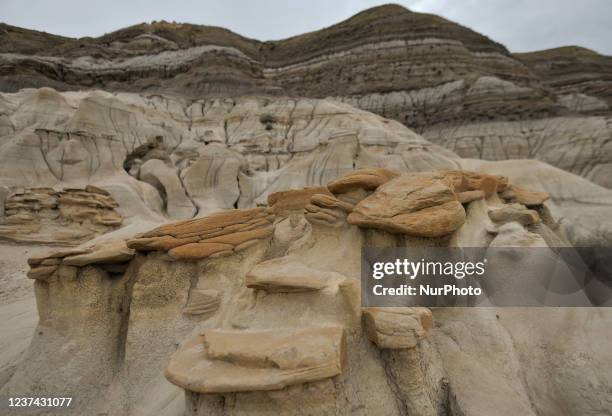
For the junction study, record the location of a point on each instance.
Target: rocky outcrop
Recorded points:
(160, 156)
(257, 360)
(66, 217)
(216, 235)
(366, 179)
(514, 212)
(419, 205)
(286, 275)
(397, 327)
(249, 302)
(452, 85)
(278, 326)
(423, 205)
(112, 256)
(581, 77)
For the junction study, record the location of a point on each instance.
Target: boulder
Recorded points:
(290, 275)
(107, 253)
(368, 179)
(216, 235)
(524, 196)
(422, 205)
(223, 361)
(514, 212)
(397, 327)
(294, 200)
(328, 201)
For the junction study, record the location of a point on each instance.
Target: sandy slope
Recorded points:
(18, 316)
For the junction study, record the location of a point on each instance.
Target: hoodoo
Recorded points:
(197, 223)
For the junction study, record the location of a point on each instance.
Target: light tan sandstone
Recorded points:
(288, 275)
(367, 179)
(397, 327)
(514, 212)
(415, 204)
(221, 361)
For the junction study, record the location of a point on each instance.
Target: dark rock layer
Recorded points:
(433, 68)
(452, 85)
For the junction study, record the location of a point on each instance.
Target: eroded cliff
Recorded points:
(258, 310)
(447, 82)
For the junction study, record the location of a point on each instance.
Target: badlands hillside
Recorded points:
(190, 208)
(448, 83)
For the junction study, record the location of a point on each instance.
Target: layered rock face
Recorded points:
(218, 271)
(66, 217)
(581, 77)
(168, 156)
(379, 51)
(454, 86)
(417, 68)
(173, 321)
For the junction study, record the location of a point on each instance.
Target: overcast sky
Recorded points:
(521, 25)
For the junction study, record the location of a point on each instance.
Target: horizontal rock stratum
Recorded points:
(65, 217)
(388, 58)
(450, 84)
(162, 156)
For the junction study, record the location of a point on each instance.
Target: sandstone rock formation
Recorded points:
(67, 217)
(419, 205)
(257, 360)
(248, 300)
(422, 205)
(366, 179)
(514, 213)
(112, 256)
(277, 326)
(159, 156)
(397, 327)
(288, 275)
(216, 235)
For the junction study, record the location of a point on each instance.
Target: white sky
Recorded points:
(521, 25)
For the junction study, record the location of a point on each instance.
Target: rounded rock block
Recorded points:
(223, 361)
